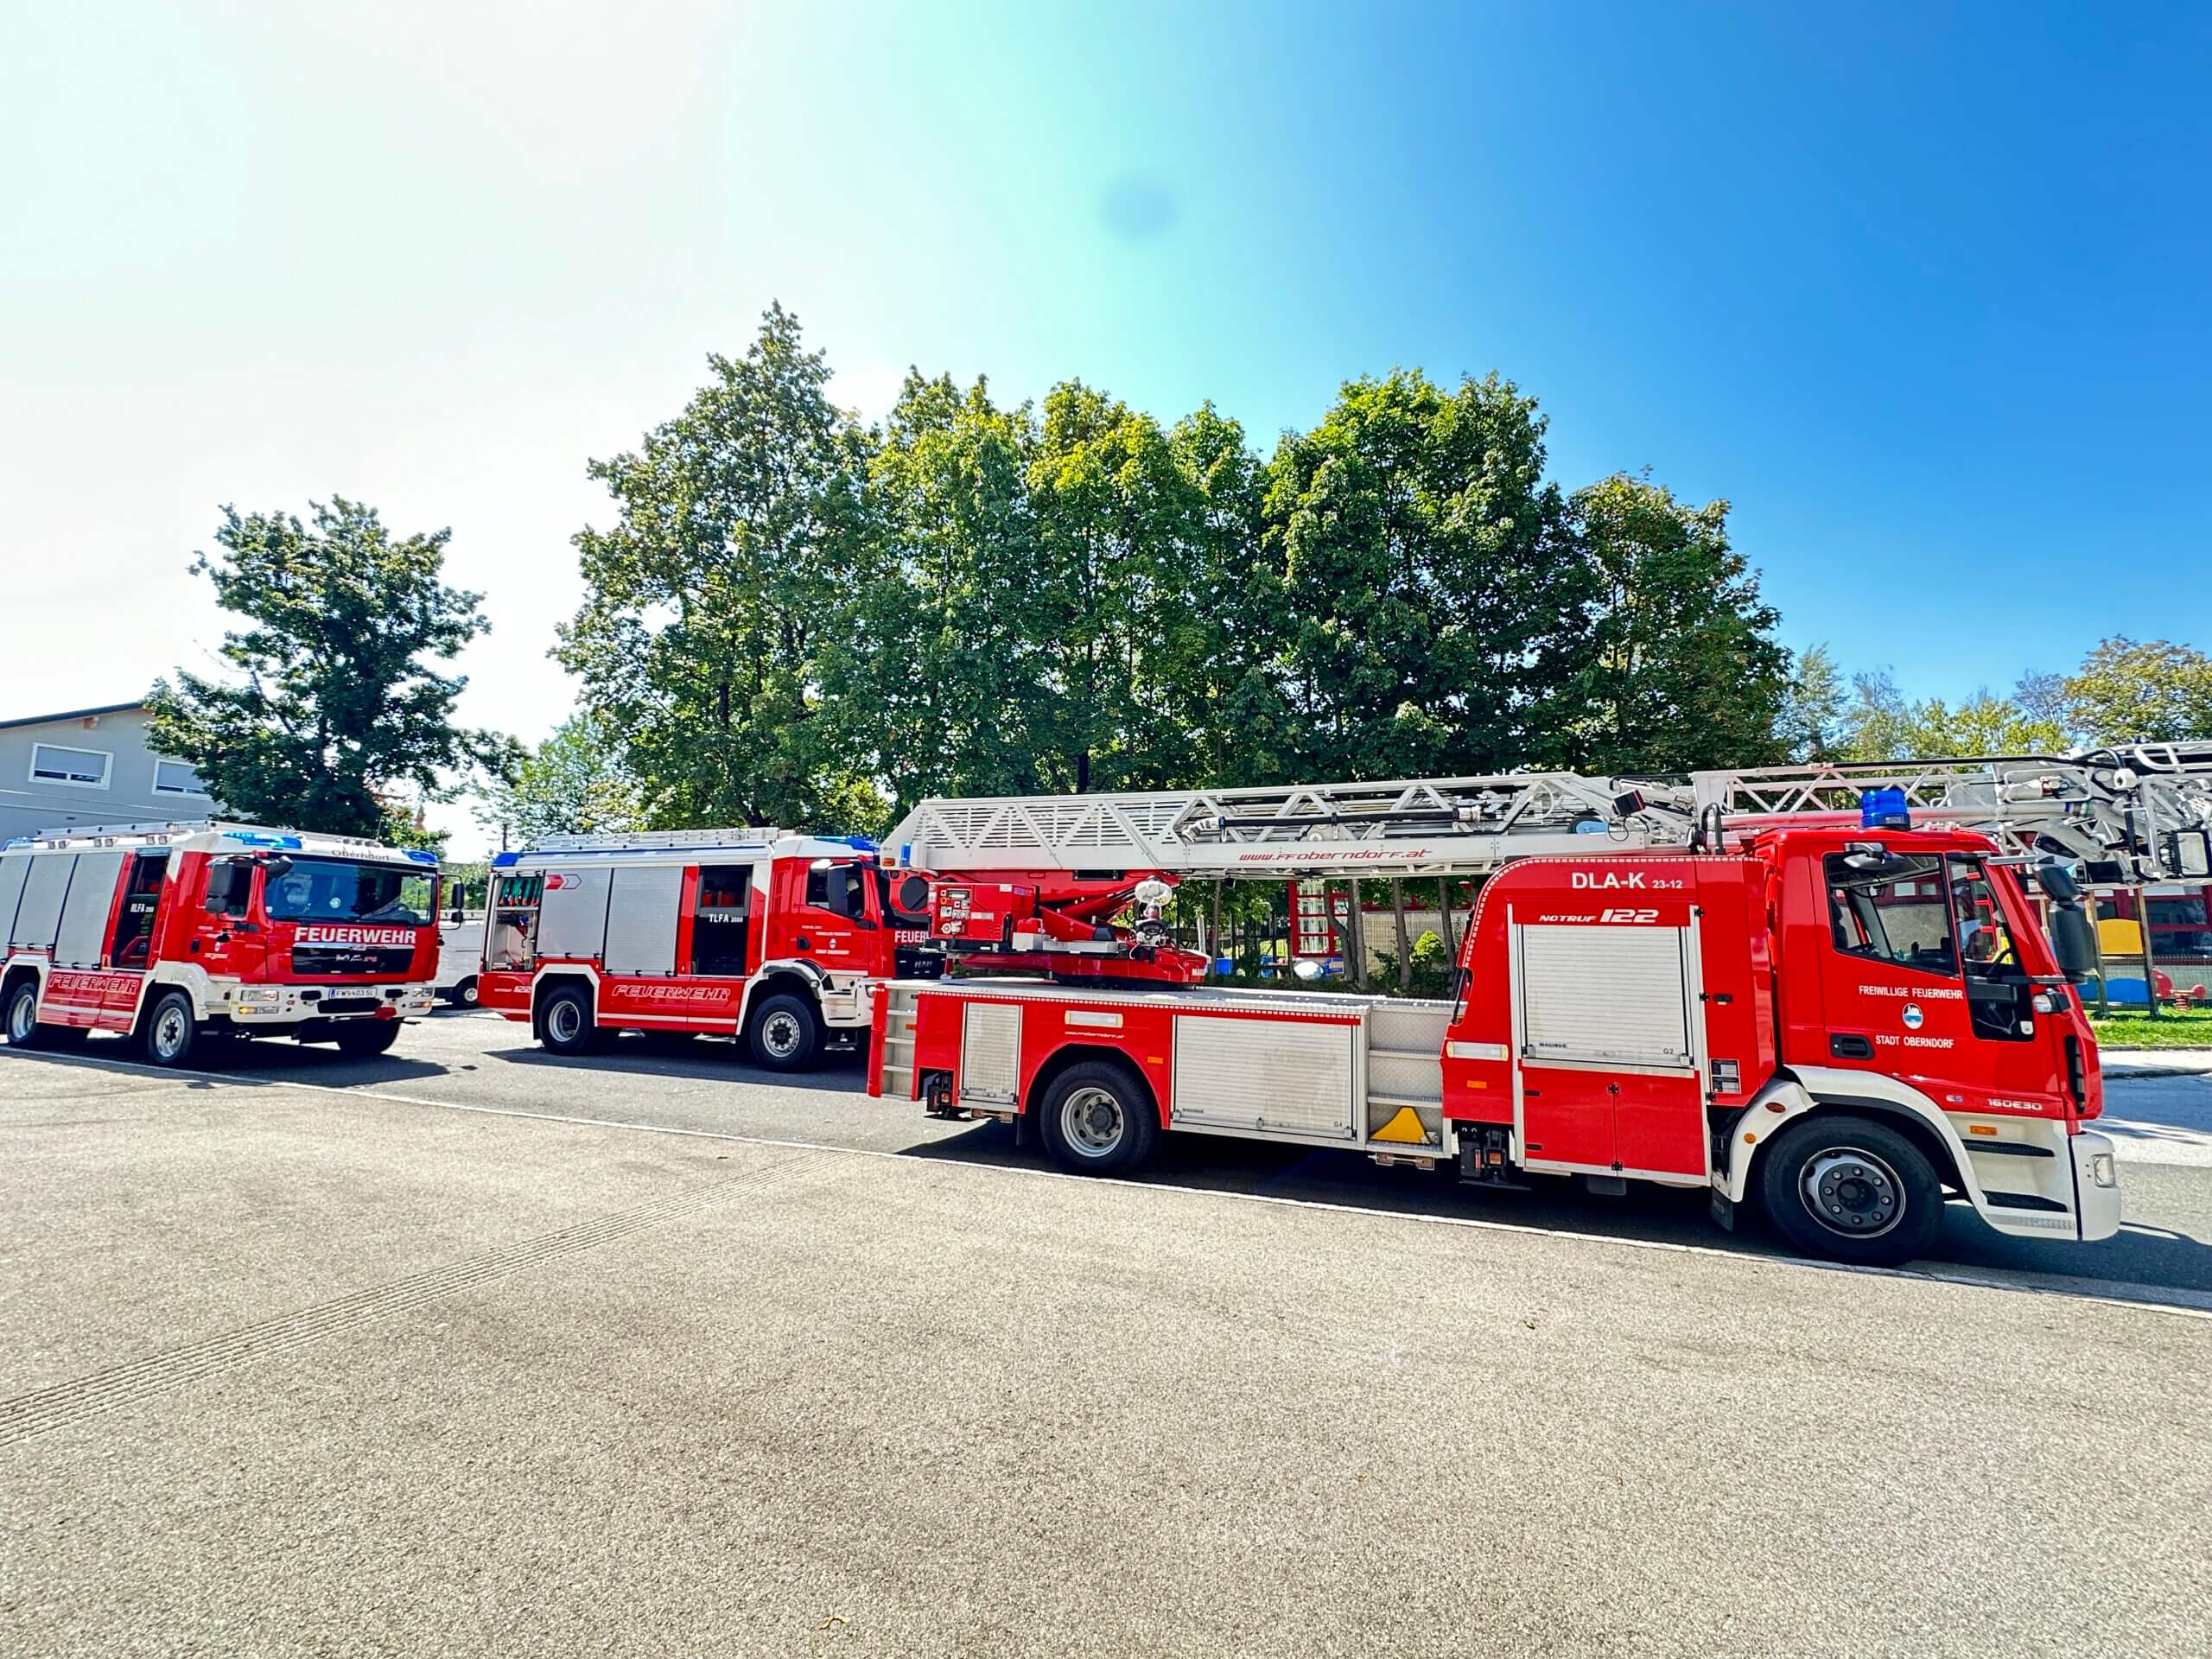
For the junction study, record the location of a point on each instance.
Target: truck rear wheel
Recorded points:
(567, 1023)
(783, 1032)
(1852, 1190)
(24, 1028)
(1098, 1119)
(171, 1033)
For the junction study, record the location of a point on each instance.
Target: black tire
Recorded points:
(358, 1039)
(171, 1035)
(1852, 1190)
(463, 995)
(784, 1032)
(567, 1024)
(1098, 1119)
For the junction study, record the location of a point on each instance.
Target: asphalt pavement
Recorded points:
(471, 1348)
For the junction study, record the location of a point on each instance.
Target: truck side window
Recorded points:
(1892, 909)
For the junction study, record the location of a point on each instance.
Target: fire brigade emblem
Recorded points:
(1912, 1016)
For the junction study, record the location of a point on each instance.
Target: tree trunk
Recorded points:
(1398, 921)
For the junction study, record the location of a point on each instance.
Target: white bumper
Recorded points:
(269, 1006)
(2096, 1183)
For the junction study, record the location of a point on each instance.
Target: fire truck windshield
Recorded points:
(338, 890)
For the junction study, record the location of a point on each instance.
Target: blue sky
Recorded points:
(1921, 290)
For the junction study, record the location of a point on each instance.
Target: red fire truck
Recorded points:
(178, 933)
(755, 932)
(1842, 1027)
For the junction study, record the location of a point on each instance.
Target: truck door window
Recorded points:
(1997, 992)
(1892, 909)
(719, 925)
(134, 928)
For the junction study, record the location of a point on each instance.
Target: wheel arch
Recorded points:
(1886, 1101)
(15, 974)
(558, 979)
(1069, 1055)
(798, 978)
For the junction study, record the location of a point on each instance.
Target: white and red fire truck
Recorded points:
(759, 933)
(1840, 1025)
(178, 933)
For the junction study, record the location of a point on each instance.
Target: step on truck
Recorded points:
(1844, 1029)
(181, 935)
(756, 933)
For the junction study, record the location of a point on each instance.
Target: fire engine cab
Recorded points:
(1843, 1027)
(176, 933)
(758, 932)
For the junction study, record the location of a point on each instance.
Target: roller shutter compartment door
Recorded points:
(91, 906)
(572, 916)
(1605, 995)
(38, 918)
(641, 918)
(13, 869)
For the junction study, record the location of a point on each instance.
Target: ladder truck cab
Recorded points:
(180, 933)
(1844, 1028)
(759, 933)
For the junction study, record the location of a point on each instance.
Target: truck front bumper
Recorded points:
(2096, 1184)
(261, 1007)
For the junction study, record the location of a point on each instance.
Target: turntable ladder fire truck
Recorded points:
(1839, 1019)
(184, 933)
(759, 933)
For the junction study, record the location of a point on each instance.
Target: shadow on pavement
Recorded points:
(2143, 1260)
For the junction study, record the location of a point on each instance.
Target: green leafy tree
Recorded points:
(334, 703)
(1812, 724)
(740, 529)
(934, 686)
(1882, 724)
(1686, 671)
(573, 783)
(2126, 692)
(1434, 606)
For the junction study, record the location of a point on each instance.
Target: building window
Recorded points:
(174, 777)
(81, 768)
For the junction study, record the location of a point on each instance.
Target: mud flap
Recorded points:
(1724, 1210)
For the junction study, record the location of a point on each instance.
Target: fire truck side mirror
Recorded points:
(2058, 883)
(2073, 941)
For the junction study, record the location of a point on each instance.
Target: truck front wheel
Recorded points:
(171, 1036)
(1098, 1119)
(1851, 1189)
(783, 1032)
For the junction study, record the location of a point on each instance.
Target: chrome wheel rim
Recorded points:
(781, 1033)
(171, 1026)
(22, 1016)
(1093, 1122)
(564, 1020)
(1852, 1193)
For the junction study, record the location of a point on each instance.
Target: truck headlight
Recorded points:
(260, 996)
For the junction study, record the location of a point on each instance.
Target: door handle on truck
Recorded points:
(1850, 1045)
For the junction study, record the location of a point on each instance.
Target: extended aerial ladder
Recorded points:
(2131, 815)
